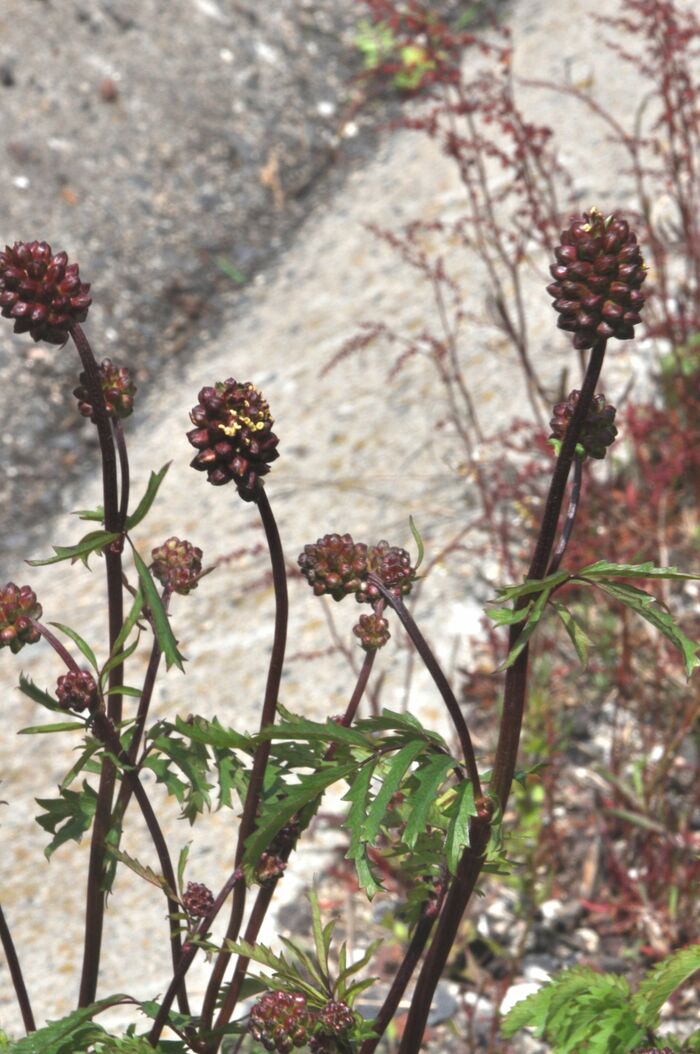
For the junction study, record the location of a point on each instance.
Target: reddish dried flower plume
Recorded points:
(18, 606)
(597, 278)
(281, 1021)
(41, 291)
(117, 387)
(177, 565)
(197, 900)
(234, 437)
(372, 631)
(598, 430)
(77, 690)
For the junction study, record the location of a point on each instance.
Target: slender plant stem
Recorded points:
(189, 952)
(8, 947)
(442, 684)
(574, 499)
(266, 892)
(95, 896)
(123, 470)
(515, 691)
(57, 646)
(262, 752)
(108, 734)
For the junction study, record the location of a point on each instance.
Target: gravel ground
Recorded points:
(358, 455)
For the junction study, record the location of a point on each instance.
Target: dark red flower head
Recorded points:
(597, 278)
(337, 566)
(77, 690)
(117, 387)
(198, 900)
(18, 606)
(177, 565)
(281, 1021)
(41, 291)
(598, 430)
(234, 437)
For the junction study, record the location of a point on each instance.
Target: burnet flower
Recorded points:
(41, 291)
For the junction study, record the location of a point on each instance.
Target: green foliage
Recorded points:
(74, 1034)
(310, 972)
(67, 817)
(93, 542)
(161, 622)
(144, 506)
(584, 1010)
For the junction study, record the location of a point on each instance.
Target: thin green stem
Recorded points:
(262, 752)
(15, 969)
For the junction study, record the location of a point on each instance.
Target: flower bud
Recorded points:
(41, 291)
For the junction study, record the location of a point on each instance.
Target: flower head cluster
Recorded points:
(233, 436)
(117, 387)
(76, 690)
(283, 1020)
(197, 900)
(372, 631)
(337, 566)
(41, 291)
(177, 565)
(597, 279)
(18, 607)
(598, 430)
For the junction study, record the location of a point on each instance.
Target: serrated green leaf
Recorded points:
(161, 622)
(429, 777)
(144, 872)
(117, 660)
(508, 616)
(97, 514)
(67, 817)
(181, 865)
(604, 569)
(81, 644)
(458, 828)
(70, 1034)
(92, 746)
(324, 732)
(647, 605)
(533, 585)
(61, 726)
(28, 688)
(579, 638)
(322, 935)
(143, 507)
(297, 796)
(213, 734)
(129, 622)
(662, 981)
(535, 614)
(125, 689)
(391, 781)
(359, 795)
(90, 543)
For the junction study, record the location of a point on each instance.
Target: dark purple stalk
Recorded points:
(95, 896)
(107, 733)
(15, 969)
(570, 520)
(266, 892)
(189, 952)
(57, 646)
(509, 733)
(262, 752)
(441, 682)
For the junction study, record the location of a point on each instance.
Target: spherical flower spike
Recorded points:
(177, 565)
(335, 565)
(372, 631)
(197, 900)
(597, 279)
(117, 387)
(76, 690)
(336, 1018)
(41, 291)
(393, 566)
(281, 1021)
(597, 431)
(233, 435)
(18, 607)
